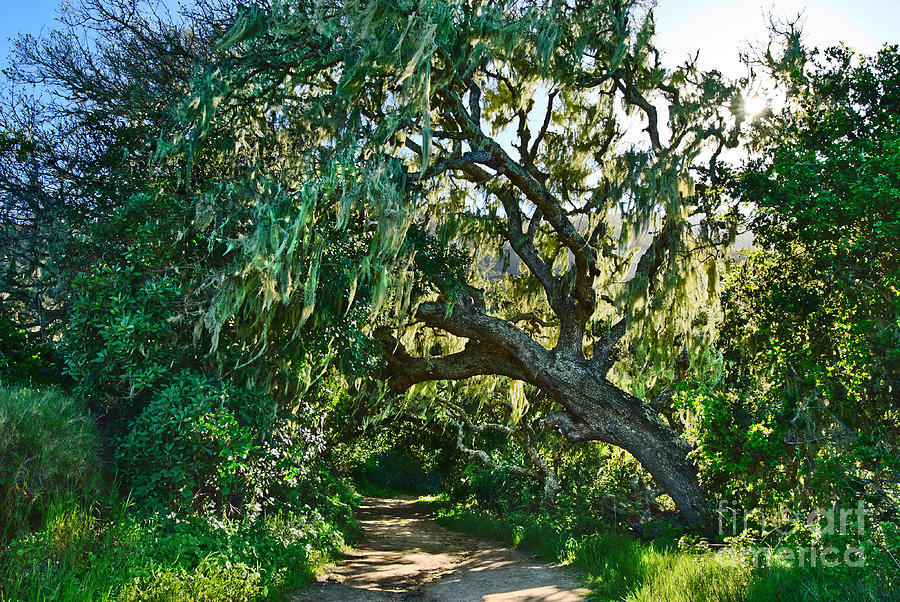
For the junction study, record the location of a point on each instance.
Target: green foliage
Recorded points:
(324, 169)
(311, 187)
(108, 553)
(687, 577)
(597, 480)
(812, 328)
(49, 445)
(87, 546)
(353, 205)
(70, 557)
(800, 585)
(205, 446)
(123, 337)
(23, 359)
(495, 489)
(606, 484)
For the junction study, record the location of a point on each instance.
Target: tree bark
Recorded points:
(595, 409)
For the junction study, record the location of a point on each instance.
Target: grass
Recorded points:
(800, 585)
(48, 445)
(69, 535)
(115, 554)
(618, 566)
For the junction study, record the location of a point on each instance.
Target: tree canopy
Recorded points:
(496, 190)
(813, 313)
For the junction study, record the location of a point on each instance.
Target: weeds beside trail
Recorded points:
(618, 566)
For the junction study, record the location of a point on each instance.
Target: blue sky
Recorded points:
(26, 16)
(716, 27)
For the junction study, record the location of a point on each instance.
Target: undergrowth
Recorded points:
(70, 535)
(619, 566)
(114, 553)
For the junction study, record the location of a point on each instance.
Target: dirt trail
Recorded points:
(404, 555)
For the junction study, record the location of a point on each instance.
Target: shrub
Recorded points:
(205, 446)
(124, 335)
(48, 445)
(25, 361)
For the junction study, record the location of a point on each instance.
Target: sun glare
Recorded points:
(754, 105)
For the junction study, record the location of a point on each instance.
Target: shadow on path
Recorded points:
(404, 555)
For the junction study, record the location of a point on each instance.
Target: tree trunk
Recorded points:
(594, 408)
(597, 410)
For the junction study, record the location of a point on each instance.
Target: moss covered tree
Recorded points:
(502, 193)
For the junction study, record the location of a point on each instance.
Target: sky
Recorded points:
(715, 27)
(719, 28)
(25, 16)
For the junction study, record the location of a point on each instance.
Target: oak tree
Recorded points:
(507, 189)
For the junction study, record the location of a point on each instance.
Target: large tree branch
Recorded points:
(405, 370)
(568, 426)
(544, 127)
(572, 330)
(466, 321)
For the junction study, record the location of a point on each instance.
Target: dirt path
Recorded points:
(404, 555)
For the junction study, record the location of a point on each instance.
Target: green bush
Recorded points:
(108, 552)
(48, 445)
(204, 446)
(124, 335)
(25, 360)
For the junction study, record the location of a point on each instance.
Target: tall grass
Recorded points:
(800, 585)
(115, 553)
(618, 566)
(48, 445)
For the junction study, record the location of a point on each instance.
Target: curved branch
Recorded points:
(405, 370)
(463, 163)
(482, 456)
(465, 321)
(572, 330)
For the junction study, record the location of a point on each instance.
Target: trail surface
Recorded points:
(404, 555)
